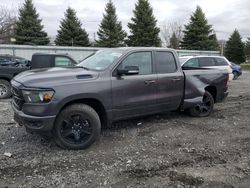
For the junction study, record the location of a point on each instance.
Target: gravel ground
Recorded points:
(166, 150)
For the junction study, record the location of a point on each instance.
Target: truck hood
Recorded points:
(47, 77)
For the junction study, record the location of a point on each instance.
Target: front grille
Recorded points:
(17, 98)
(15, 91)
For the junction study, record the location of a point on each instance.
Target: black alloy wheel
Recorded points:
(77, 127)
(205, 108)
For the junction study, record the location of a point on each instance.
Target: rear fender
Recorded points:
(194, 90)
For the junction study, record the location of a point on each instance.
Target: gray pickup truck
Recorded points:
(114, 84)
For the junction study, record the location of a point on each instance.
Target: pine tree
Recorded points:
(144, 31)
(247, 47)
(71, 33)
(214, 43)
(110, 31)
(198, 34)
(174, 42)
(234, 48)
(29, 29)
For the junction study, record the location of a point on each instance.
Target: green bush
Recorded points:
(245, 66)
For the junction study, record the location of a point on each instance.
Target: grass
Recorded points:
(245, 66)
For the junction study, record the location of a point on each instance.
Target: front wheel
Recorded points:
(5, 91)
(77, 127)
(205, 108)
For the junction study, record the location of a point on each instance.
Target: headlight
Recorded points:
(37, 96)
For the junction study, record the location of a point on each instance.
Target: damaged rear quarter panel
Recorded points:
(197, 80)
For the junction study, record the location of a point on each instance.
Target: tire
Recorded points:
(204, 109)
(5, 89)
(236, 75)
(77, 127)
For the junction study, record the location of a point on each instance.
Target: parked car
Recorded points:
(74, 103)
(237, 71)
(38, 60)
(218, 62)
(10, 60)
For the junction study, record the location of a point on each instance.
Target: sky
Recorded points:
(224, 15)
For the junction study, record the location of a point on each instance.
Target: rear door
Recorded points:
(134, 95)
(170, 83)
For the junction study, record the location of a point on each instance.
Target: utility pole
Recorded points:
(222, 44)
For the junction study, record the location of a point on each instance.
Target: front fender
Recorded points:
(77, 97)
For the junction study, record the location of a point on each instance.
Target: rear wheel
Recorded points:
(77, 127)
(5, 91)
(205, 108)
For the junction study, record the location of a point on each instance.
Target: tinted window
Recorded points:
(141, 59)
(41, 61)
(165, 62)
(62, 62)
(220, 61)
(192, 63)
(206, 61)
(2, 60)
(6, 58)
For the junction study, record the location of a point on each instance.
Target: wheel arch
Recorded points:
(212, 90)
(95, 104)
(5, 78)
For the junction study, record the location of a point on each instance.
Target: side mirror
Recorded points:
(128, 70)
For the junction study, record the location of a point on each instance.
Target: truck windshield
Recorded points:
(100, 60)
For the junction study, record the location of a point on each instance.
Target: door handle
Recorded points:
(176, 79)
(149, 82)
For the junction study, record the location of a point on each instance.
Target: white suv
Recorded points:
(218, 62)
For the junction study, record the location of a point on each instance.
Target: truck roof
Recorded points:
(52, 54)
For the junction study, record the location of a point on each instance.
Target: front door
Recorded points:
(134, 95)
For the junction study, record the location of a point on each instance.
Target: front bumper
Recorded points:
(34, 123)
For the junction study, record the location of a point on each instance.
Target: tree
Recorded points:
(71, 32)
(110, 31)
(247, 47)
(198, 34)
(167, 32)
(214, 43)
(7, 25)
(174, 42)
(234, 48)
(144, 31)
(29, 29)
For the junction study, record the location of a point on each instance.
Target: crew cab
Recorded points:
(39, 60)
(114, 84)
